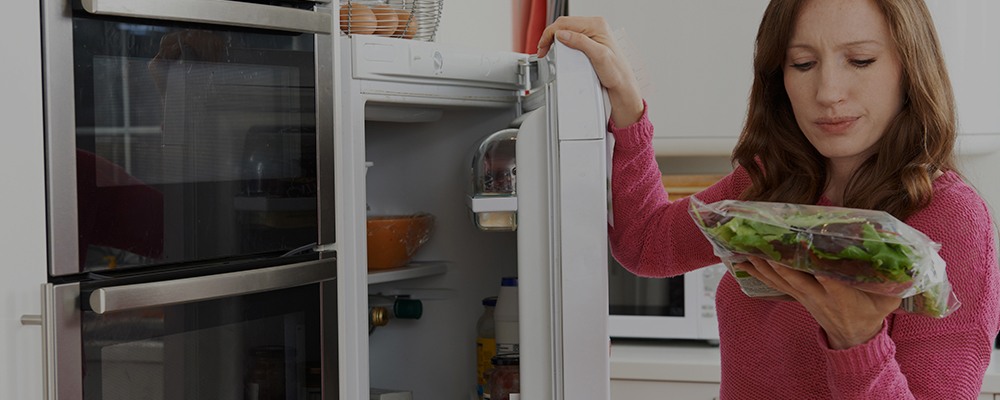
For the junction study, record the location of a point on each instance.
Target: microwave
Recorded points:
(680, 307)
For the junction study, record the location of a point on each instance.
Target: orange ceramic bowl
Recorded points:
(393, 240)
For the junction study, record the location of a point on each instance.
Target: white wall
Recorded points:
(22, 215)
(484, 24)
(981, 172)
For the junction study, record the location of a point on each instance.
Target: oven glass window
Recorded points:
(258, 347)
(194, 143)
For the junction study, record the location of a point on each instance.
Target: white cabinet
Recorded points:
(22, 232)
(692, 371)
(629, 390)
(482, 24)
(694, 61)
(970, 38)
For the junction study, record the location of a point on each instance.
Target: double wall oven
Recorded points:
(189, 197)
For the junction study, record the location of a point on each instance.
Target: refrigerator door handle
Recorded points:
(187, 290)
(223, 12)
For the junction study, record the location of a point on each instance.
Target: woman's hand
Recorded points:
(848, 316)
(592, 36)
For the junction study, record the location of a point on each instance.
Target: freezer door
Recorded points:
(562, 236)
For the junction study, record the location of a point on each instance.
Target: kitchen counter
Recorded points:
(693, 361)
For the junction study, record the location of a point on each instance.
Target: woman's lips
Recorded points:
(836, 125)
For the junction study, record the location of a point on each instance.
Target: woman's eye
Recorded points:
(863, 63)
(803, 66)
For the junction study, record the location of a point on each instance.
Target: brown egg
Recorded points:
(407, 26)
(387, 19)
(357, 19)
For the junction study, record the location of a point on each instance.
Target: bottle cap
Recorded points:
(407, 308)
(490, 301)
(508, 281)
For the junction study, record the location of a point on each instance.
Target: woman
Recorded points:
(850, 106)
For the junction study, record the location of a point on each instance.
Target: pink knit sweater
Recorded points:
(775, 349)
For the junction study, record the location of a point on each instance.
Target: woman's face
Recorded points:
(843, 77)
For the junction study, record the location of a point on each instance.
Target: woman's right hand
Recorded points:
(592, 36)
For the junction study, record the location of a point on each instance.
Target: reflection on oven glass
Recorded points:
(250, 348)
(192, 144)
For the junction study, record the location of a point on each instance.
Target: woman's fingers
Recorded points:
(606, 63)
(591, 35)
(779, 277)
(593, 27)
(799, 281)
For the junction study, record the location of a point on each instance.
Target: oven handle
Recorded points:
(223, 12)
(187, 290)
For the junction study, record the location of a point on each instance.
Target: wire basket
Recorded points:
(408, 19)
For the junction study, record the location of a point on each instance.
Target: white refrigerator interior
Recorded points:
(415, 111)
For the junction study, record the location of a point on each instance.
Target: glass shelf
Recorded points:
(409, 271)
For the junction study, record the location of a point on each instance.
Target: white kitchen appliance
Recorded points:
(681, 307)
(417, 110)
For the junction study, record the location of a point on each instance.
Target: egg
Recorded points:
(387, 19)
(357, 19)
(407, 26)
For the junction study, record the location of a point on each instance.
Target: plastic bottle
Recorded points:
(381, 309)
(506, 319)
(486, 344)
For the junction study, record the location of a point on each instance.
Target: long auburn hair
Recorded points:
(784, 166)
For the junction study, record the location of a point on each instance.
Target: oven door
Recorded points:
(184, 131)
(258, 334)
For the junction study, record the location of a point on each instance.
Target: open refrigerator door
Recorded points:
(416, 113)
(562, 211)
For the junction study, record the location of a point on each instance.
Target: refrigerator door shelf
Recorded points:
(493, 213)
(480, 204)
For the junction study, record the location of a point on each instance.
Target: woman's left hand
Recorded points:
(848, 316)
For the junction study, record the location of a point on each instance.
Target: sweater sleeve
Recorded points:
(650, 235)
(918, 357)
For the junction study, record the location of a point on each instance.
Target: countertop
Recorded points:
(694, 361)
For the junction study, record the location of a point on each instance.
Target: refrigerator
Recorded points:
(409, 116)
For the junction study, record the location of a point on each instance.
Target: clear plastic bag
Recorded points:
(871, 250)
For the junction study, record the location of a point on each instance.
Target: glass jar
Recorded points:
(505, 378)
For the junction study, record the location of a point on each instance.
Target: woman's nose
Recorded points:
(833, 84)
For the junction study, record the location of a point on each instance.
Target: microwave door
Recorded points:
(562, 219)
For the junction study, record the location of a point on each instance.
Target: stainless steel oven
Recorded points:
(259, 334)
(188, 147)
(182, 131)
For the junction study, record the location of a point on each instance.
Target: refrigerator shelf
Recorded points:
(409, 271)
